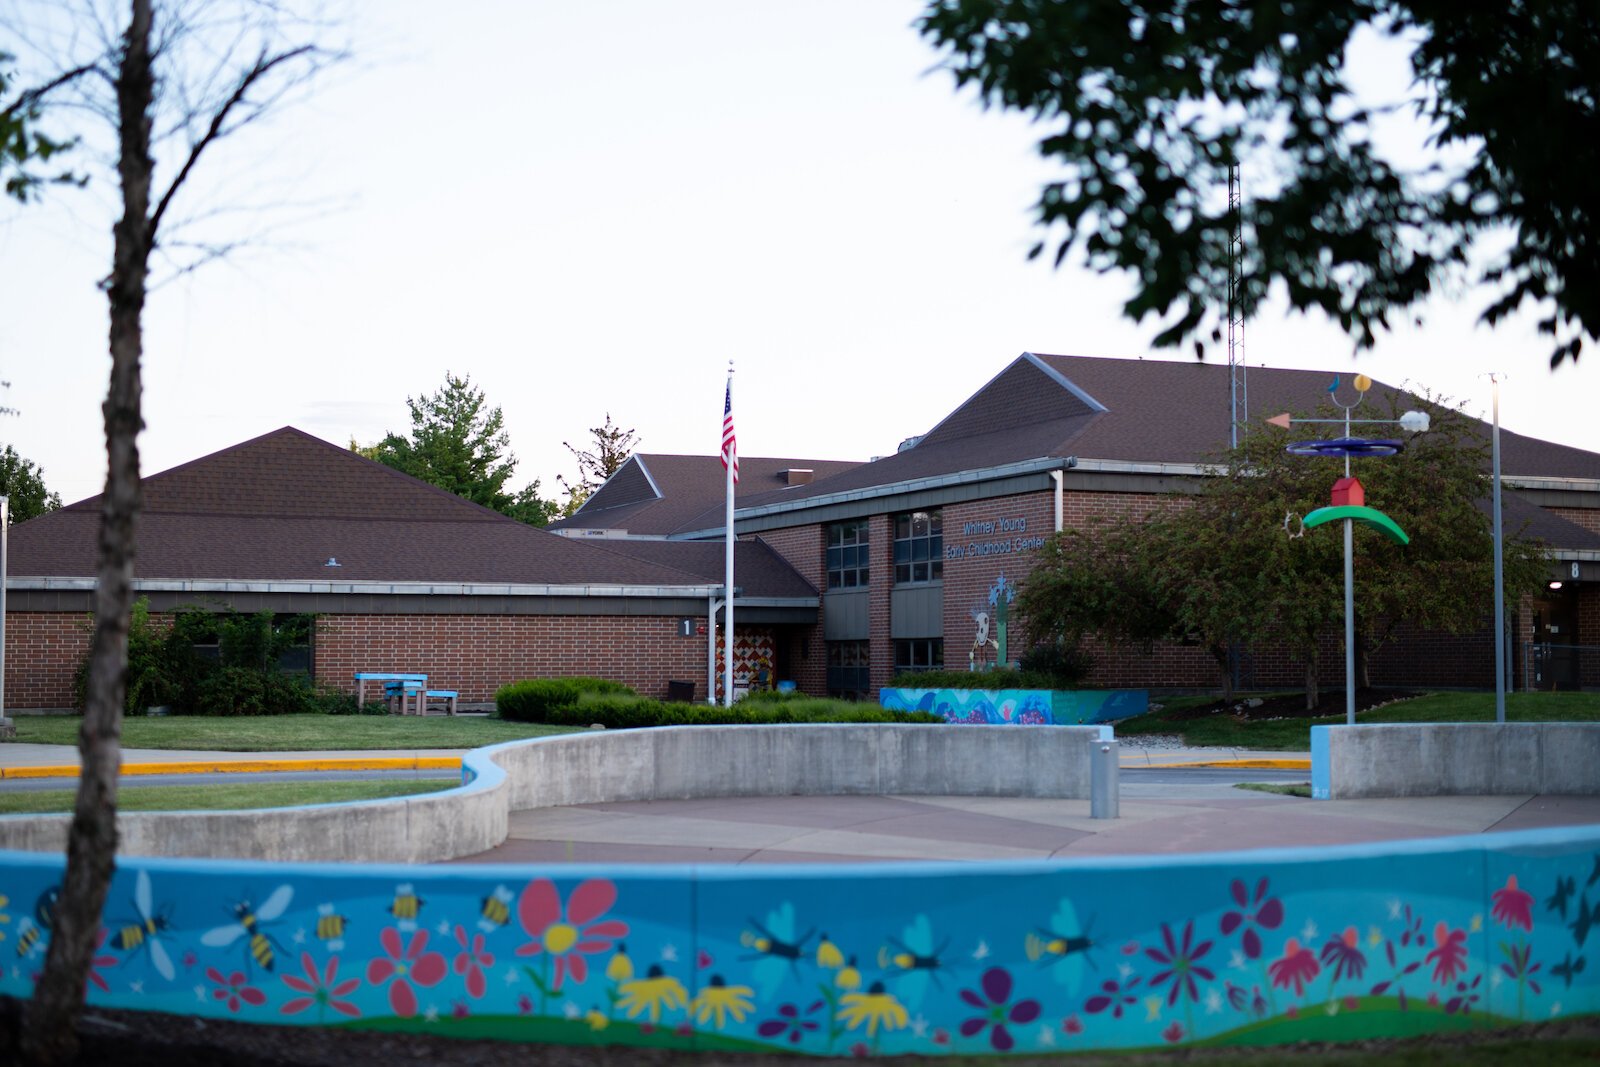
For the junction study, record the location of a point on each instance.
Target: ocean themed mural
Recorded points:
(1263, 947)
(1022, 707)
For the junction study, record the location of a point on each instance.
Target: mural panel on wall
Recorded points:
(1260, 947)
(754, 655)
(1022, 707)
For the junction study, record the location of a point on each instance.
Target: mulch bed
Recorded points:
(151, 1039)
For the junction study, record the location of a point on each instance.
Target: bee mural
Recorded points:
(142, 934)
(247, 924)
(28, 937)
(331, 927)
(914, 960)
(496, 910)
(775, 947)
(1064, 944)
(406, 907)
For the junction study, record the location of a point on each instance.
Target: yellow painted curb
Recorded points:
(1247, 764)
(252, 766)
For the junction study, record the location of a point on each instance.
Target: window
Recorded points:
(847, 555)
(921, 654)
(847, 669)
(918, 547)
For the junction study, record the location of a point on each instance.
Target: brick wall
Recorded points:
(801, 647)
(43, 649)
(476, 654)
(1588, 518)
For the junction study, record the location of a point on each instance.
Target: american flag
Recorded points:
(730, 450)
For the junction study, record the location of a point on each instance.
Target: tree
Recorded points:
(22, 144)
(180, 87)
(1146, 104)
(23, 481)
(1232, 566)
(612, 447)
(459, 444)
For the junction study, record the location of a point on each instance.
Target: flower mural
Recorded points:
(1297, 966)
(234, 989)
(1253, 913)
(404, 964)
(651, 995)
(471, 962)
(718, 1001)
(1438, 942)
(1513, 906)
(320, 989)
(1180, 960)
(567, 935)
(999, 1011)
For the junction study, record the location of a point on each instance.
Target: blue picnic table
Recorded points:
(402, 689)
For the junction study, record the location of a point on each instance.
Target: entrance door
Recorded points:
(1555, 632)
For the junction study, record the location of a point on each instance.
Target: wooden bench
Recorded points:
(446, 697)
(403, 695)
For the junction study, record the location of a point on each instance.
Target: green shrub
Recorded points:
(1064, 665)
(603, 686)
(333, 702)
(536, 699)
(622, 713)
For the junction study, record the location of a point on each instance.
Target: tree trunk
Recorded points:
(50, 1029)
(1219, 653)
(1363, 659)
(1313, 687)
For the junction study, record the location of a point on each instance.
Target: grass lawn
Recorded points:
(290, 733)
(226, 797)
(1294, 735)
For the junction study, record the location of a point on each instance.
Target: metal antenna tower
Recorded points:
(1238, 392)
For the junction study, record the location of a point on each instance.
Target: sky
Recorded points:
(594, 208)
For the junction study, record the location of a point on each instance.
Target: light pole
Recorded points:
(1499, 573)
(6, 726)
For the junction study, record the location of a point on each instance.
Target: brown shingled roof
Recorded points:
(654, 494)
(278, 507)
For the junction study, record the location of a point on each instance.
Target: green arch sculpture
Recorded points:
(1366, 516)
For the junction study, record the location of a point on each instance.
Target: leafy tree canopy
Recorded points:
(611, 449)
(459, 443)
(23, 481)
(1146, 104)
(1232, 564)
(22, 144)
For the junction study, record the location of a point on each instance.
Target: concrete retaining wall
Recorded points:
(672, 763)
(1454, 759)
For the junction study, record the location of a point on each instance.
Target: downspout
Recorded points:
(1055, 476)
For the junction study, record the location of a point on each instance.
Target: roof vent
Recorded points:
(909, 443)
(799, 476)
(333, 561)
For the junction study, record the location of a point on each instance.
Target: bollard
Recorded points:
(1104, 790)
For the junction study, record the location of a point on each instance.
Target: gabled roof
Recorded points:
(1127, 414)
(280, 506)
(655, 495)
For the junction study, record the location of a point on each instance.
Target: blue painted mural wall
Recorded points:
(1030, 707)
(1243, 948)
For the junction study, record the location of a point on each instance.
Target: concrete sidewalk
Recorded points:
(61, 761)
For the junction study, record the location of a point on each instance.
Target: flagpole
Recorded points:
(730, 460)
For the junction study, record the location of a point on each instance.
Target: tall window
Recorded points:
(918, 547)
(847, 669)
(847, 555)
(919, 654)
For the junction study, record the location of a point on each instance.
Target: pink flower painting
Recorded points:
(1297, 966)
(406, 964)
(1449, 955)
(567, 935)
(1512, 905)
(234, 989)
(320, 988)
(472, 960)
